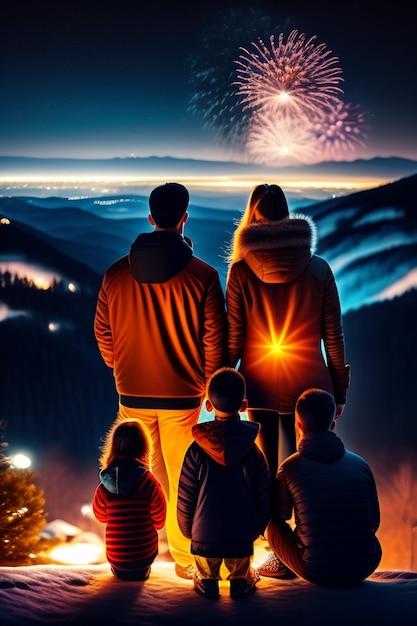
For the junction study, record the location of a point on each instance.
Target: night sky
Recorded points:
(98, 80)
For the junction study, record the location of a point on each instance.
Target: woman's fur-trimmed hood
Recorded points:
(277, 251)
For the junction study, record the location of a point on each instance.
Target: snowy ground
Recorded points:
(89, 594)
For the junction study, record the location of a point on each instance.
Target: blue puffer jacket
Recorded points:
(334, 498)
(224, 489)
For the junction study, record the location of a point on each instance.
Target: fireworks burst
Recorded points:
(279, 103)
(292, 92)
(341, 129)
(297, 77)
(220, 112)
(212, 71)
(284, 141)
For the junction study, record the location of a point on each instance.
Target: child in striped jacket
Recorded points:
(129, 500)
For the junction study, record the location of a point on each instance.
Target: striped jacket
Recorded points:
(129, 500)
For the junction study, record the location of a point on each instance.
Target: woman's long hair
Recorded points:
(266, 203)
(126, 438)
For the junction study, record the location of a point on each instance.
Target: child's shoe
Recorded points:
(208, 587)
(242, 587)
(185, 571)
(274, 568)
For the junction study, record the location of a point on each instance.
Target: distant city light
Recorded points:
(20, 461)
(4, 220)
(87, 511)
(72, 287)
(40, 277)
(193, 182)
(41, 283)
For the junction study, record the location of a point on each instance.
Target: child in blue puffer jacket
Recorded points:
(224, 494)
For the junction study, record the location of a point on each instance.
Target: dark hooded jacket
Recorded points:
(282, 303)
(224, 489)
(160, 322)
(333, 496)
(130, 501)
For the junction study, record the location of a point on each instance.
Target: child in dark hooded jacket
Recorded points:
(129, 500)
(332, 495)
(224, 490)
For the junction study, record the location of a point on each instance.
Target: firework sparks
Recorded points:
(212, 72)
(279, 103)
(281, 140)
(297, 77)
(340, 129)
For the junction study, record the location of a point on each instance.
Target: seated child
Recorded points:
(332, 494)
(129, 500)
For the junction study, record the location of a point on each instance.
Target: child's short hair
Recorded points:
(226, 390)
(315, 409)
(128, 438)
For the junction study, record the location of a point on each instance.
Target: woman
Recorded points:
(283, 308)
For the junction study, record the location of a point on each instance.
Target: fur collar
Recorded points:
(295, 231)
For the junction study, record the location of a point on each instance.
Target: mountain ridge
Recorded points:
(393, 167)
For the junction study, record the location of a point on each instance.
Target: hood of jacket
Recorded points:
(278, 251)
(226, 441)
(158, 256)
(323, 447)
(123, 476)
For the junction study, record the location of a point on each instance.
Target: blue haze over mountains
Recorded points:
(57, 395)
(388, 167)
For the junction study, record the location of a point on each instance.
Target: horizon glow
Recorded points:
(197, 182)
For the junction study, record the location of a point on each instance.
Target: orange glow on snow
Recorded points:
(77, 553)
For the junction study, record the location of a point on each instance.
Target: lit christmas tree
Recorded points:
(22, 515)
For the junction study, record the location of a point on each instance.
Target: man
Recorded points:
(332, 494)
(160, 325)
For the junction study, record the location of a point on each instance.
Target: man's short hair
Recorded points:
(226, 390)
(315, 409)
(168, 203)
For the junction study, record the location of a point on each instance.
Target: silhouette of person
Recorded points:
(331, 494)
(282, 308)
(224, 495)
(129, 500)
(160, 325)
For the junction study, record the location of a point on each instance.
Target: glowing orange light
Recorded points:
(282, 349)
(77, 553)
(41, 283)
